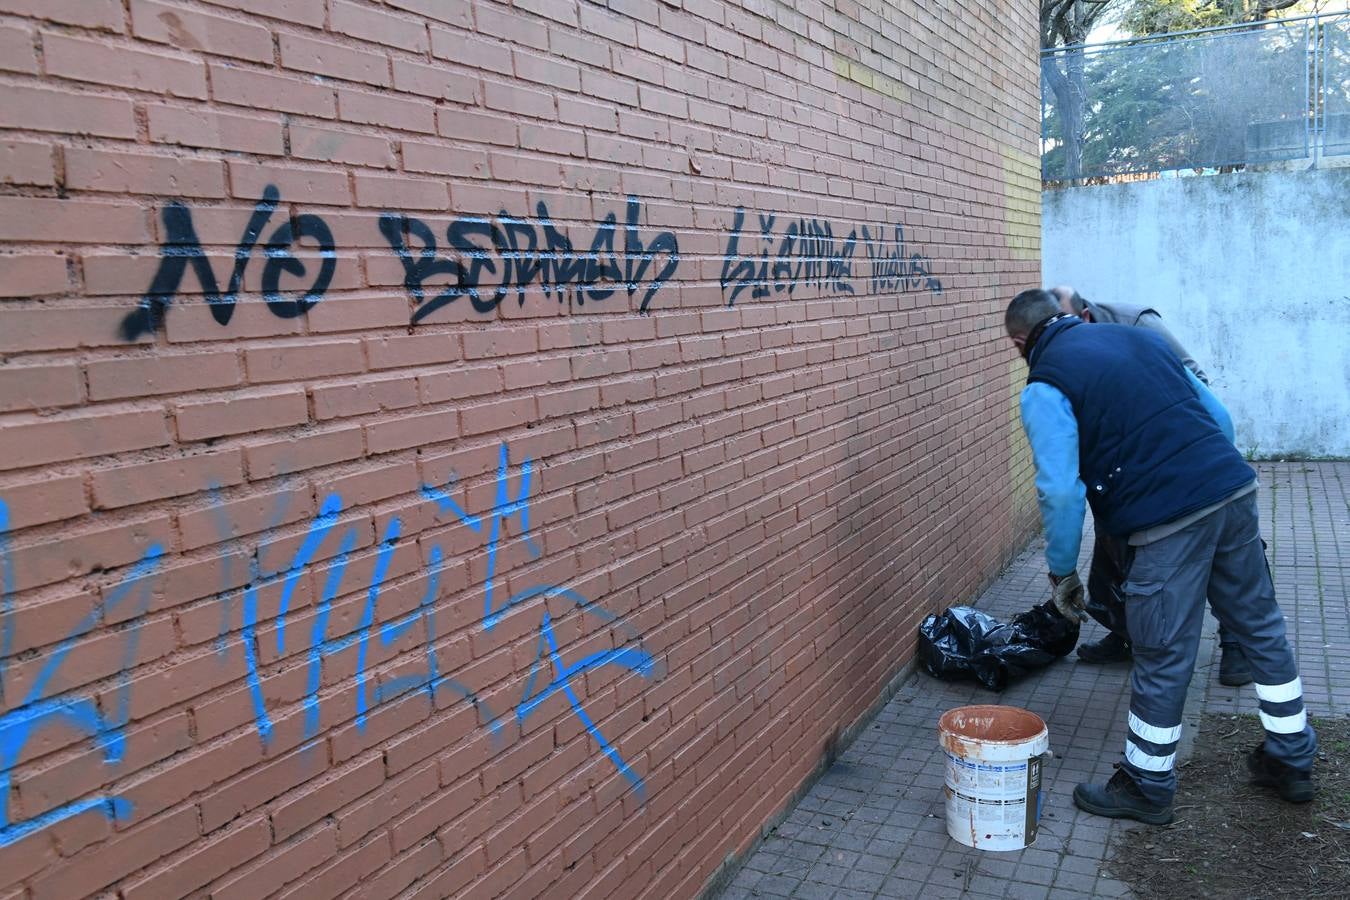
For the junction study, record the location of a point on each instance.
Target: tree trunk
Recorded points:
(1067, 86)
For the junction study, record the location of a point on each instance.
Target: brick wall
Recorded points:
(468, 447)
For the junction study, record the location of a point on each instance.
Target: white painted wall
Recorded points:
(1250, 271)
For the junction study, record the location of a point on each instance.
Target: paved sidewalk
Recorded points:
(874, 825)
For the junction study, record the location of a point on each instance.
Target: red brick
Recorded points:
(139, 173)
(223, 520)
(343, 146)
(453, 123)
(66, 111)
(452, 12)
(296, 12)
(280, 867)
(118, 858)
(163, 373)
(497, 342)
(512, 167)
(187, 29)
(49, 500)
(207, 861)
(520, 101)
(391, 800)
(401, 192)
(442, 160)
(71, 221)
(434, 81)
(215, 130)
(241, 414)
(39, 387)
(463, 48)
(260, 785)
(459, 383)
(300, 360)
(35, 442)
(17, 50)
(174, 477)
(334, 60)
(320, 798)
(346, 870)
(355, 312)
(27, 275)
(493, 21)
(106, 15)
(403, 32)
(438, 811)
(102, 63)
(497, 416)
(262, 90)
(450, 881)
(408, 867)
(367, 108)
(281, 457)
(412, 431)
(364, 396)
(574, 111)
(412, 350)
(545, 70)
(25, 163)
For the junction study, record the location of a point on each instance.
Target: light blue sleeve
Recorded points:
(1052, 432)
(1212, 404)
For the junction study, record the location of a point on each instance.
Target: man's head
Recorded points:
(1071, 302)
(1027, 310)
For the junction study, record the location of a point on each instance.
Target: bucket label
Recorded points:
(1033, 798)
(993, 806)
(998, 781)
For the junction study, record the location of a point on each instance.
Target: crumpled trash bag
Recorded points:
(963, 642)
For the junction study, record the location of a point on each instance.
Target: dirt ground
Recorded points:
(1231, 839)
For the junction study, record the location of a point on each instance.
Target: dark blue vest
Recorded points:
(1148, 450)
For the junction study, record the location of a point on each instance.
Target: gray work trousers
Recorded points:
(1221, 557)
(1105, 586)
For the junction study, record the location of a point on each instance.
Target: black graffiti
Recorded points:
(528, 251)
(895, 267)
(182, 249)
(807, 254)
(486, 259)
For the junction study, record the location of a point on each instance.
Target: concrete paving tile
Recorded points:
(883, 801)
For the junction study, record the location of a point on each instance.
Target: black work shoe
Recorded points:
(1112, 648)
(1233, 668)
(1120, 798)
(1291, 784)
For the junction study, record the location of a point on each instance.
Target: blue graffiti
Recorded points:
(549, 675)
(636, 659)
(505, 508)
(318, 647)
(36, 711)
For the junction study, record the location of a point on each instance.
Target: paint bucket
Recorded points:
(994, 756)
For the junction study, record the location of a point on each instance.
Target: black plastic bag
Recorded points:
(966, 643)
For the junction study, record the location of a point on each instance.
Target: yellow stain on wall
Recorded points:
(1022, 209)
(1021, 469)
(868, 77)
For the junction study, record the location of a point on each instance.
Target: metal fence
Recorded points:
(1237, 95)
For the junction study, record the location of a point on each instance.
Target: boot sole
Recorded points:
(1235, 680)
(1159, 817)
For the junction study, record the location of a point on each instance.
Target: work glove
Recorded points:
(1068, 597)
